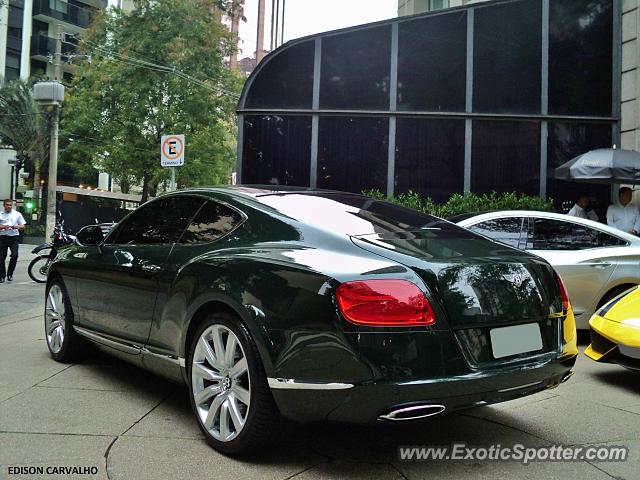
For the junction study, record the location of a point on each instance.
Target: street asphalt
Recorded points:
(124, 423)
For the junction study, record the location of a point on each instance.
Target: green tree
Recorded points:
(161, 69)
(24, 128)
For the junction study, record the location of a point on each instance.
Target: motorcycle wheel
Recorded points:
(38, 269)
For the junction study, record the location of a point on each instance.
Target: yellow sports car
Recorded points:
(615, 331)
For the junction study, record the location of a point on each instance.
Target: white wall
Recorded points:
(25, 58)
(5, 172)
(630, 93)
(4, 18)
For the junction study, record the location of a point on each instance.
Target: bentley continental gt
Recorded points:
(276, 302)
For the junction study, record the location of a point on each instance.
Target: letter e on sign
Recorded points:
(172, 150)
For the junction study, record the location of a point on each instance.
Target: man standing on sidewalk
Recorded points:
(11, 222)
(624, 215)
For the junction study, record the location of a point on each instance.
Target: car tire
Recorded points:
(229, 393)
(64, 344)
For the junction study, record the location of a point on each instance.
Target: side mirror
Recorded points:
(90, 235)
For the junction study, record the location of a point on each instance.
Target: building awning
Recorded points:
(125, 197)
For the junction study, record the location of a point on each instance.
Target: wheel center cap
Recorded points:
(226, 383)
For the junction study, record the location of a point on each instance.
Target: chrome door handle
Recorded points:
(150, 268)
(601, 264)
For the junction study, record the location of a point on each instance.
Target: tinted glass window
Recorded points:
(505, 230)
(12, 70)
(161, 221)
(355, 69)
(15, 15)
(351, 214)
(352, 153)
(430, 157)
(605, 240)
(432, 63)
(566, 141)
(507, 56)
(381, 224)
(505, 157)
(212, 222)
(285, 81)
(276, 150)
(546, 234)
(580, 57)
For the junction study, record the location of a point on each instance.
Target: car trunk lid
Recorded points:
(480, 283)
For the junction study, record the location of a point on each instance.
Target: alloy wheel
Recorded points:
(55, 319)
(220, 382)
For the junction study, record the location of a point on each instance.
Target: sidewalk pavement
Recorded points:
(23, 293)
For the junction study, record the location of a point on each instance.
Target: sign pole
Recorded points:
(173, 179)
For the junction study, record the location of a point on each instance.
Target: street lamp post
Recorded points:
(50, 95)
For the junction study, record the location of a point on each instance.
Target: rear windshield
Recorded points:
(355, 215)
(385, 225)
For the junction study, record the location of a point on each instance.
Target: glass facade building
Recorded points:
(488, 97)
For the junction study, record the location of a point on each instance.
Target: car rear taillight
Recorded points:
(563, 294)
(384, 303)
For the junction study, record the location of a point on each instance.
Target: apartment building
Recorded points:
(28, 29)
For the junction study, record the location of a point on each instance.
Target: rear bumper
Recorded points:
(367, 402)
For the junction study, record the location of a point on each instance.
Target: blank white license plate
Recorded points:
(507, 341)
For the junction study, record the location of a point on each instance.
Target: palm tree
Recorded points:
(24, 128)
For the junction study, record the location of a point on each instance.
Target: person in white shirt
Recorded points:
(624, 215)
(581, 209)
(11, 222)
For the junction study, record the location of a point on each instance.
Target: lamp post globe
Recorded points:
(48, 93)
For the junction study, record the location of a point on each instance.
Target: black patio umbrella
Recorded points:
(604, 165)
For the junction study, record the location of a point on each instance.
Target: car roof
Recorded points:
(463, 216)
(255, 191)
(551, 215)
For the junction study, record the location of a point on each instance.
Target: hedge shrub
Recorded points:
(467, 203)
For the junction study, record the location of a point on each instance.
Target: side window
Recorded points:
(546, 234)
(605, 240)
(212, 222)
(161, 221)
(504, 230)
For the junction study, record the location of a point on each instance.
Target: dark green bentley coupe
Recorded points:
(310, 305)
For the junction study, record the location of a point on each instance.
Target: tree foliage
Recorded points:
(23, 126)
(157, 70)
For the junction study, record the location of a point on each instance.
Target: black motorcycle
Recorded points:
(40, 265)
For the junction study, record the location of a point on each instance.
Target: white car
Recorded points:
(596, 262)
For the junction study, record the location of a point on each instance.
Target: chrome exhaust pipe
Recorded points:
(414, 412)
(567, 376)
(564, 378)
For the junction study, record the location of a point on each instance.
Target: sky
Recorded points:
(306, 17)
